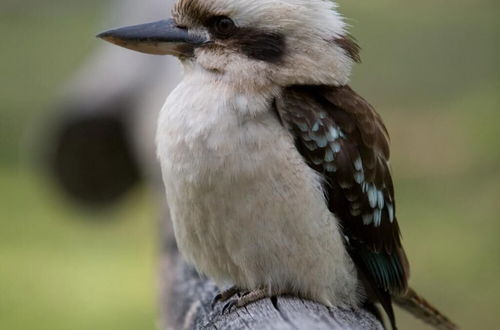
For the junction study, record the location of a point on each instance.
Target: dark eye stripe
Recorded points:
(261, 45)
(257, 44)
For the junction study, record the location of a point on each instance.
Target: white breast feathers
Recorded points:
(246, 209)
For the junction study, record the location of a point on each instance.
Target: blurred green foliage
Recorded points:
(61, 269)
(432, 70)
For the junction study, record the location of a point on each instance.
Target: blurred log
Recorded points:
(92, 159)
(101, 138)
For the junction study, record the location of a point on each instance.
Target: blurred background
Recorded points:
(77, 261)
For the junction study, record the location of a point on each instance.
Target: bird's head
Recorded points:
(277, 42)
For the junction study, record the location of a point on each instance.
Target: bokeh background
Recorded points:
(430, 67)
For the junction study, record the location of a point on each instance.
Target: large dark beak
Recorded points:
(158, 38)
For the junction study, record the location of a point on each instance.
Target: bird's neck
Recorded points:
(240, 79)
(225, 93)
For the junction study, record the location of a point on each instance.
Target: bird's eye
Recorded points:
(222, 26)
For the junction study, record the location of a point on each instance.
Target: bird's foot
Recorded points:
(246, 299)
(225, 295)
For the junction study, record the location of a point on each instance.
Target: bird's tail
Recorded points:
(421, 309)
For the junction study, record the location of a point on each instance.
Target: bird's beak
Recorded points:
(158, 38)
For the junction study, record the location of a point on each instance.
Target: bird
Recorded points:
(277, 173)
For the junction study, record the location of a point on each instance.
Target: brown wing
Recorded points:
(342, 137)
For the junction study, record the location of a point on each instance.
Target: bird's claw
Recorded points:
(225, 295)
(216, 299)
(229, 306)
(246, 298)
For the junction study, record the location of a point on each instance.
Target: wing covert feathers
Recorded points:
(343, 138)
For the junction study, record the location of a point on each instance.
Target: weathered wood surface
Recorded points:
(129, 88)
(186, 304)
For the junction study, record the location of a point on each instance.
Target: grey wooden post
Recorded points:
(127, 89)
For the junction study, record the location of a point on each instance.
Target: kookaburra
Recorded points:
(276, 172)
